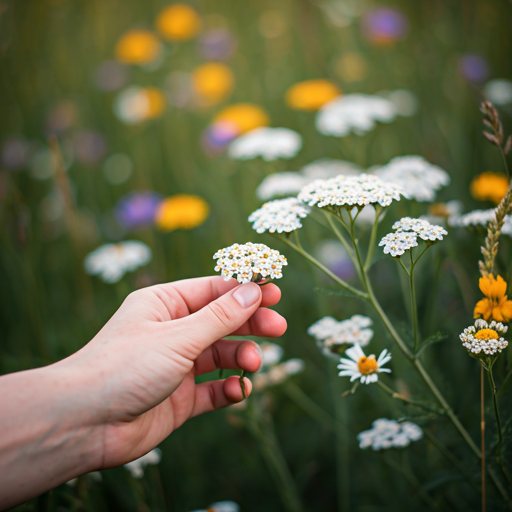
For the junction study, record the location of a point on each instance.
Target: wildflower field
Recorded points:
(354, 152)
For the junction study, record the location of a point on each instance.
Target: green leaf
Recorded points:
(435, 338)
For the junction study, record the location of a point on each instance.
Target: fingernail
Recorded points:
(247, 294)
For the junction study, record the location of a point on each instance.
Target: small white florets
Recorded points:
(279, 216)
(386, 434)
(249, 262)
(397, 243)
(484, 338)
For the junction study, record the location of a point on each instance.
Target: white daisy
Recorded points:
(268, 143)
(418, 178)
(386, 434)
(362, 367)
(280, 184)
(279, 216)
(347, 191)
(136, 467)
(249, 262)
(354, 113)
(484, 339)
(422, 227)
(112, 261)
(397, 243)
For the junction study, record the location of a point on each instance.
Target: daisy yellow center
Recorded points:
(367, 365)
(486, 334)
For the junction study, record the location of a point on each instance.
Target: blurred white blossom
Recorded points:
(499, 91)
(111, 261)
(386, 434)
(268, 143)
(356, 113)
(136, 467)
(221, 506)
(280, 184)
(326, 168)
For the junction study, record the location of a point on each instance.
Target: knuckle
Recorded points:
(221, 313)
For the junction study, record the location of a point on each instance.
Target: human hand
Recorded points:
(145, 358)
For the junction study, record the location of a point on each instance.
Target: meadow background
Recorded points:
(52, 53)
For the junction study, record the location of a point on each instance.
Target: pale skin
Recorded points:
(133, 384)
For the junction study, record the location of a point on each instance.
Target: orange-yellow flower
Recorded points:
(243, 116)
(181, 211)
(311, 94)
(489, 186)
(495, 306)
(213, 81)
(137, 47)
(178, 22)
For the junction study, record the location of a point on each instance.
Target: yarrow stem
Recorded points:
(495, 404)
(398, 396)
(323, 268)
(373, 235)
(414, 307)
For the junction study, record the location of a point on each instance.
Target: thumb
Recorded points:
(217, 319)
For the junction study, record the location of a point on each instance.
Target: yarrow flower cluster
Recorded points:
(272, 371)
(342, 190)
(484, 338)
(478, 218)
(249, 262)
(397, 243)
(333, 336)
(112, 261)
(356, 113)
(386, 434)
(360, 366)
(418, 178)
(281, 184)
(279, 216)
(268, 143)
(422, 227)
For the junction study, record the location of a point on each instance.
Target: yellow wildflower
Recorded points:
(311, 94)
(178, 22)
(137, 47)
(181, 211)
(155, 101)
(496, 305)
(213, 81)
(489, 186)
(244, 116)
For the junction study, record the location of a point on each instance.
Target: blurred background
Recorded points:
(115, 119)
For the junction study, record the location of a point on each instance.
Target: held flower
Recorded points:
(360, 366)
(496, 305)
(281, 216)
(484, 339)
(249, 262)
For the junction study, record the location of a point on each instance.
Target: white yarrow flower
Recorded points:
(268, 143)
(326, 168)
(136, 467)
(484, 339)
(279, 216)
(111, 261)
(346, 191)
(422, 227)
(386, 434)
(280, 184)
(360, 366)
(356, 113)
(249, 262)
(479, 218)
(418, 178)
(397, 243)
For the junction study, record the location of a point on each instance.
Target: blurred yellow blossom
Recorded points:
(489, 186)
(213, 81)
(178, 22)
(136, 104)
(244, 116)
(311, 94)
(351, 67)
(496, 305)
(181, 211)
(137, 47)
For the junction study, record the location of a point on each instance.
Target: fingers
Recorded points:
(265, 323)
(210, 396)
(220, 318)
(191, 295)
(229, 355)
